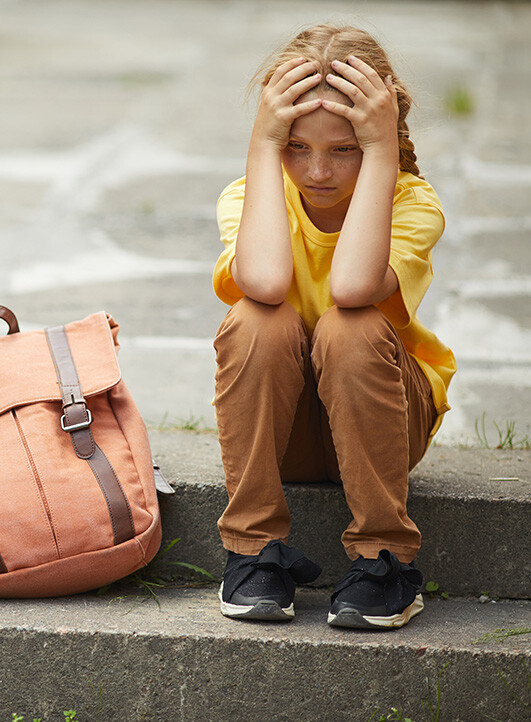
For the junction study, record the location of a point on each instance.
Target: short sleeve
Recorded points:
(229, 213)
(417, 225)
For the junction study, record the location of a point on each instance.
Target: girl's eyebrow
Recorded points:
(350, 140)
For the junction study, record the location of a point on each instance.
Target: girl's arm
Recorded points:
(360, 273)
(263, 265)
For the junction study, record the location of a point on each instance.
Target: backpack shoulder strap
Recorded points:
(76, 421)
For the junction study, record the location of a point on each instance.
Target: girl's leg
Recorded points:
(262, 352)
(381, 412)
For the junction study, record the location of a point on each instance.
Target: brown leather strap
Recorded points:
(3, 568)
(119, 509)
(76, 421)
(10, 318)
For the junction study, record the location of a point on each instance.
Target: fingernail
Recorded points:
(335, 63)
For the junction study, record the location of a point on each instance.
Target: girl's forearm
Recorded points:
(360, 273)
(263, 265)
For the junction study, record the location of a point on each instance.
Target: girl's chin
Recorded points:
(325, 197)
(320, 201)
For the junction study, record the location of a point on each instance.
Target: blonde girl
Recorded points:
(324, 371)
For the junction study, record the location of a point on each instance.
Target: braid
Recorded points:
(408, 157)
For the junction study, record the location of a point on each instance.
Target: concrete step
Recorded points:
(114, 658)
(472, 506)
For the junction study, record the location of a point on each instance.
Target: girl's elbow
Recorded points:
(350, 295)
(271, 292)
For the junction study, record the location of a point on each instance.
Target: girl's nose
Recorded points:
(319, 169)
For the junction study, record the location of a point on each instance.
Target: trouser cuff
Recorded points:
(371, 551)
(247, 546)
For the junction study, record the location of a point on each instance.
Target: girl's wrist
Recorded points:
(262, 144)
(384, 160)
(386, 152)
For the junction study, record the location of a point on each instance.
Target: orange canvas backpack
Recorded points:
(78, 504)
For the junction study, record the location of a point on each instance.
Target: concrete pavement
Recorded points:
(122, 121)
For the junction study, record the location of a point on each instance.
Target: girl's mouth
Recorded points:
(320, 189)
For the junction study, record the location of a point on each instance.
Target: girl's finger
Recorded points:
(296, 111)
(302, 86)
(365, 71)
(388, 81)
(346, 87)
(369, 82)
(285, 68)
(340, 109)
(294, 75)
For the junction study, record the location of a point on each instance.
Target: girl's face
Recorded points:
(323, 160)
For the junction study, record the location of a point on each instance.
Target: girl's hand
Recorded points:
(374, 115)
(277, 112)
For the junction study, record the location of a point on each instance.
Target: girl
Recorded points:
(323, 369)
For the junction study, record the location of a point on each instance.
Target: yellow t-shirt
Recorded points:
(417, 224)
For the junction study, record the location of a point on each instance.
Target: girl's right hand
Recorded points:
(277, 111)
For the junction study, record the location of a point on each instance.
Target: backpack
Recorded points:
(78, 503)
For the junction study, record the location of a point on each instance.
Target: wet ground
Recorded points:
(122, 120)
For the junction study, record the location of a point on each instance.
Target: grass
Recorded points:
(431, 710)
(192, 423)
(459, 101)
(69, 716)
(151, 578)
(508, 437)
(502, 634)
(434, 589)
(522, 702)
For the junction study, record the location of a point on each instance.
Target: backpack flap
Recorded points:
(27, 372)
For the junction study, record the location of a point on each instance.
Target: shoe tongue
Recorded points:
(277, 554)
(385, 568)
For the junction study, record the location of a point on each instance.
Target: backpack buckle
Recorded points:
(75, 427)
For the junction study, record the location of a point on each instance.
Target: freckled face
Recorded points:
(323, 159)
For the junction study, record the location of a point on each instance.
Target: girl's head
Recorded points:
(325, 43)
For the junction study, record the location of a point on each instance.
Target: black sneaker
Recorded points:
(377, 593)
(263, 586)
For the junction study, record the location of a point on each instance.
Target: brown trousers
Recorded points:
(351, 406)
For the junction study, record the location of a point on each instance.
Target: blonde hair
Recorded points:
(325, 43)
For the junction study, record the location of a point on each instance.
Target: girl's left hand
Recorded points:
(374, 114)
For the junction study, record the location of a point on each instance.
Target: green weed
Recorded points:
(395, 715)
(522, 702)
(459, 101)
(508, 437)
(69, 715)
(433, 589)
(499, 635)
(192, 423)
(150, 578)
(431, 712)
(434, 713)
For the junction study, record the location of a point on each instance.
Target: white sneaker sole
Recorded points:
(265, 610)
(354, 620)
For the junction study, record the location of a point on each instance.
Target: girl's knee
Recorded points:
(344, 324)
(353, 334)
(253, 325)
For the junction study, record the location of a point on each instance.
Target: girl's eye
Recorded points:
(296, 146)
(345, 148)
